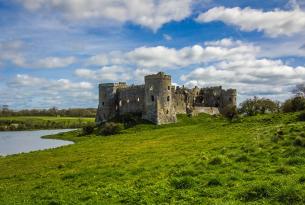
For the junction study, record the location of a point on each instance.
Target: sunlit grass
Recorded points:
(201, 160)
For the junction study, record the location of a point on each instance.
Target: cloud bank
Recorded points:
(272, 23)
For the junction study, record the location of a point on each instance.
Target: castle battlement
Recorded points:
(159, 101)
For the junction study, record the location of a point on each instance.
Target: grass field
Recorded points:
(202, 160)
(37, 122)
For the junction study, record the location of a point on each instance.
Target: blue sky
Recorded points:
(55, 52)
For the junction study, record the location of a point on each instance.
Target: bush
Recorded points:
(294, 104)
(88, 130)
(257, 105)
(230, 112)
(111, 128)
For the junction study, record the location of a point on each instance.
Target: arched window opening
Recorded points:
(152, 98)
(103, 103)
(168, 98)
(127, 101)
(167, 111)
(168, 87)
(138, 99)
(120, 103)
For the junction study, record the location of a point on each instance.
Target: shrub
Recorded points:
(257, 105)
(111, 128)
(230, 112)
(296, 103)
(88, 130)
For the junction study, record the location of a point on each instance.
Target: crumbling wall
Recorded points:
(131, 99)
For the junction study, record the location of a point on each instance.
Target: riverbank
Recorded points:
(17, 123)
(200, 160)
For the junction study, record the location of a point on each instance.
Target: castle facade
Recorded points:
(158, 101)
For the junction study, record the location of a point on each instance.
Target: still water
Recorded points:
(26, 141)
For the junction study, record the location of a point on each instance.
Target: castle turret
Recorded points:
(228, 97)
(158, 99)
(108, 106)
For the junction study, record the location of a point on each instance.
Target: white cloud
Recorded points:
(106, 73)
(149, 13)
(54, 62)
(11, 52)
(273, 23)
(35, 92)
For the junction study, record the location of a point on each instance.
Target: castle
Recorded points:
(158, 101)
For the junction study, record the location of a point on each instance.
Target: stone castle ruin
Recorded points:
(158, 101)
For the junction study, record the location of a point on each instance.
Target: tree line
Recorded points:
(256, 105)
(71, 112)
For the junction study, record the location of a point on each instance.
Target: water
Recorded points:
(26, 141)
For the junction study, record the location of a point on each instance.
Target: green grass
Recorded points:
(201, 160)
(40, 122)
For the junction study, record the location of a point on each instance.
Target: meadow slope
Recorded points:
(200, 160)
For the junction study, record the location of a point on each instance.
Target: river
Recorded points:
(14, 142)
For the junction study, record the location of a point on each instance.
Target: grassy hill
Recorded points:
(200, 160)
(42, 122)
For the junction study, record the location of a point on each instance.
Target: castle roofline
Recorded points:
(158, 75)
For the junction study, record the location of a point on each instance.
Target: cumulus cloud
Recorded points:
(54, 62)
(227, 62)
(162, 57)
(106, 73)
(149, 13)
(273, 23)
(35, 92)
(11, 52)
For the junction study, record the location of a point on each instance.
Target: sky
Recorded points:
(56, 52)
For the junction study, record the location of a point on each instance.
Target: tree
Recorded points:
(257, 105)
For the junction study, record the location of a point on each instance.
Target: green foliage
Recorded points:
(230, 112)
(111, 128)
(252, 107)
(88, 130)
(294, 104)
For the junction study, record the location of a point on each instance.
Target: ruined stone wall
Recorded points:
(207, 110)
(107, 108)
(228, 98)
(179, 102)
(131, 99)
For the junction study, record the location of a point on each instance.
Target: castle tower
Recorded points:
(228, 97)
(108, 105)
(158, 99)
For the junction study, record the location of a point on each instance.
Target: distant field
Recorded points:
(200, 160)
(42, 122)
